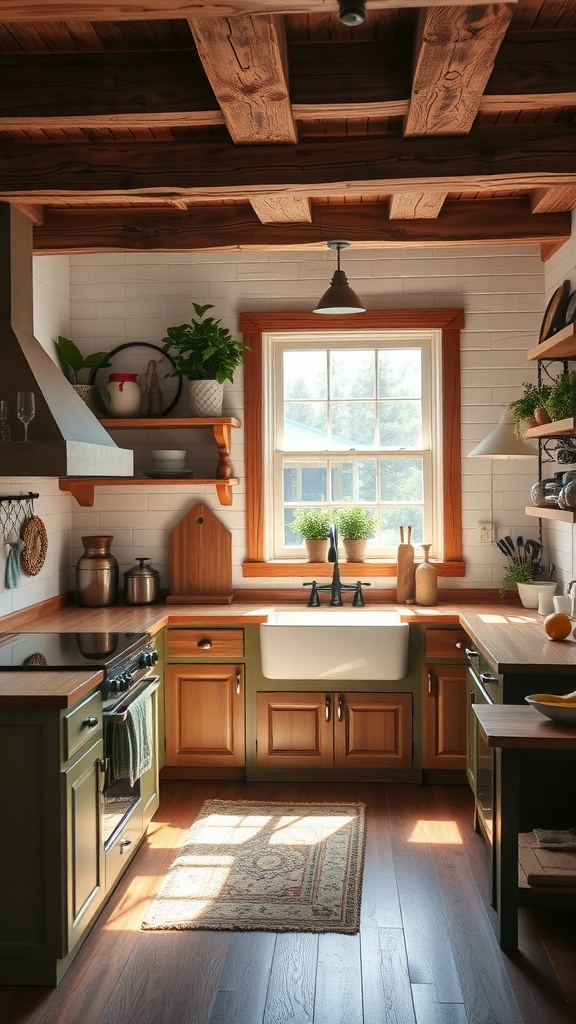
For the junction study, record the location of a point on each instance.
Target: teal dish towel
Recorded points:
(132, 741)
(13, 549)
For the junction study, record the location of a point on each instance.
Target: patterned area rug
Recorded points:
(271, 867)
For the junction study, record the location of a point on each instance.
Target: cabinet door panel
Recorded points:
(295, 729)
(85, 846)
(205, 715)
(373, 730)
(445, 709)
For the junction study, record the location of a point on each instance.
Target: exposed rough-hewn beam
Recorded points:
(141, 10)
(457, 48)
(245, 62)
(535, 156)
(550, 200)
(282, 209)
(236, 227)
(412, 205)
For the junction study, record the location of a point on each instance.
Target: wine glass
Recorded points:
(4, 426)
(25, 409)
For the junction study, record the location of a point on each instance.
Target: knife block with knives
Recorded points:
(405, 581)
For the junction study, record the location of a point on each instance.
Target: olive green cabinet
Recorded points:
(52, 870)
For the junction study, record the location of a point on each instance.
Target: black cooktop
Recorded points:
(25, 651)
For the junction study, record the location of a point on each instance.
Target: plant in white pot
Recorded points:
(206, 354)
(525, 571)
(313, 524)
(356, 525)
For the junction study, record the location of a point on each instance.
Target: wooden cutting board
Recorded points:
(200, 560)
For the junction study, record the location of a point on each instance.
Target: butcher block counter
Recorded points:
(511, 638)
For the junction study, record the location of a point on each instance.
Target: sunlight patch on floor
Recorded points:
(436, 832)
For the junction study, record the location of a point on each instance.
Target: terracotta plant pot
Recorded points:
(317, 550)
(541, 416)
(355, 550)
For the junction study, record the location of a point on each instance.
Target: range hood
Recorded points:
(66, 438)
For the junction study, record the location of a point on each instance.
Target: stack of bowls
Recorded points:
(168, 461)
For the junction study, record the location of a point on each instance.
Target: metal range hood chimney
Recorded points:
(66, 438)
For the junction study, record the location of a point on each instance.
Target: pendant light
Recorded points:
(352, 12)
(339, 298)
(502, 443)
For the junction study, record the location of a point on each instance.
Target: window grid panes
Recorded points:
(352, 425)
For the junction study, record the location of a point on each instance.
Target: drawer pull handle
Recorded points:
(124, 844)
(327, 709)
(238, 684)
(470, 652)
(90, 723)
(430, 684)
(204, 645)
(340, 708)
(485, 677)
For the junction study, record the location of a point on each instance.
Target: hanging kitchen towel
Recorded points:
(556, 839)
(13, 549)
(132, 741)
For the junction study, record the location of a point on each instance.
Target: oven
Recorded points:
(127, 661)
(484, 687)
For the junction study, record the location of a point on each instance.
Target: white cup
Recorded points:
(562, 604)
(545, 605)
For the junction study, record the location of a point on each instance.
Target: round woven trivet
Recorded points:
(35, 659)
(33, 554)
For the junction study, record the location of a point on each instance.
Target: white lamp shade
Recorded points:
(502, 443)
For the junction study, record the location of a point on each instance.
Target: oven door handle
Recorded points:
(152, 684)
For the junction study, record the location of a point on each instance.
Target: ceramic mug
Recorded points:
(545, 602)
(562, 604)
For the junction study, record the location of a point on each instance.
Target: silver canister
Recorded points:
(97, 574)
(142, 584)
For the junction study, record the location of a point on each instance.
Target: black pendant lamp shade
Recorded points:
(339, 298)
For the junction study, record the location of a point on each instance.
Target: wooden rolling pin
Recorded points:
(405, 586)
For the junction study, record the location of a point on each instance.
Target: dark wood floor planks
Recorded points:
(425, 954)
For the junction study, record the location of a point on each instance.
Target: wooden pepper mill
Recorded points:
(426, 578)
(405, 585)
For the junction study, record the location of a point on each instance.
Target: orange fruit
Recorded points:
(557, 626)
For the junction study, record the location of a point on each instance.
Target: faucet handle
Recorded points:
(314, 601)
(358, 599)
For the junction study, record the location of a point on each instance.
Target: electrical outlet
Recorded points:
(486, 533)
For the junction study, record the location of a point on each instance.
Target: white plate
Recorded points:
(168, 474)
(556, 712)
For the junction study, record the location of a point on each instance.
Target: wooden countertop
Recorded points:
(515, 641)
(511, 638)
(46, 689)
(518, 725)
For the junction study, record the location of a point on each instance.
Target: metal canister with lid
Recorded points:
(97, 573)
(142, 584)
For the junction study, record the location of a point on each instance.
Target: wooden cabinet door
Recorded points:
(373, 730)
(205, 715)
(85, 844)
(445, 707)
(295, 730)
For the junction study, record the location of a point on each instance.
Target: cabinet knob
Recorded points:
(90, 723)
(205, 645)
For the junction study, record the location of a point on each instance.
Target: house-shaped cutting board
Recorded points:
(200, 560)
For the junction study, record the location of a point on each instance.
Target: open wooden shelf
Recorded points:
(82, 487)
(556, 428)
(559, 514)
(561, 345)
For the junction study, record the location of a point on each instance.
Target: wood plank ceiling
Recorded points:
(259, 124)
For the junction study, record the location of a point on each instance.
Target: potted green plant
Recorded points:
(561, 401)
(206, 354)
(529, 408)
(313, 524)
(524, 570)
(356, 524)
(72, 363)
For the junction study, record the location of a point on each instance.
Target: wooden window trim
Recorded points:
(254, 326)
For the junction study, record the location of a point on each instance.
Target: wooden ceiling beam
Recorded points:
(246, 63)
(282, 209)
(416, 206)
(237, 228)
(551, 200)
(456, 51)
(146, 10)
(514, 156)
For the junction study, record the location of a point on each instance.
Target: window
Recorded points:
(371, 415)
(350, 419)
